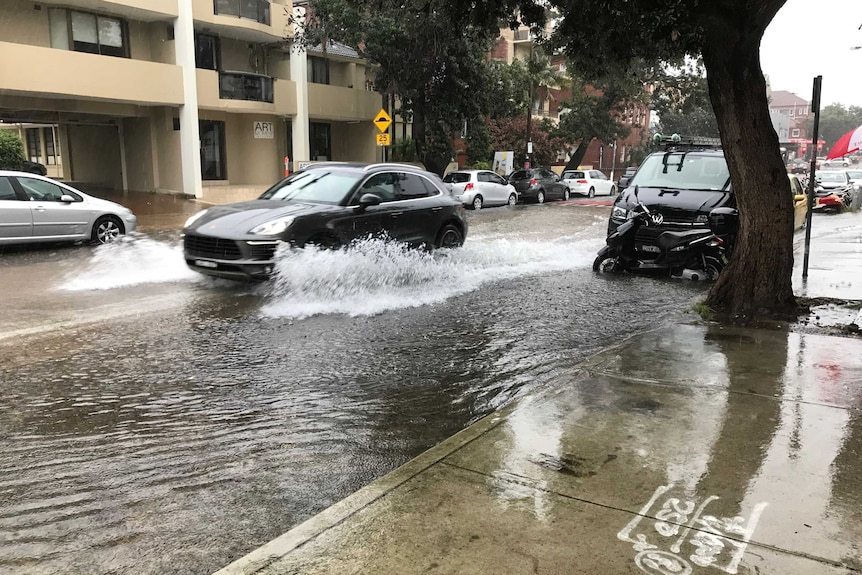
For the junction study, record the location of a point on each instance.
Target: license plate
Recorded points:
(651, 249)
(206, 264)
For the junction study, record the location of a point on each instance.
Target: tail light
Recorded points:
(468, 187)
(534, 182)
(583, 182)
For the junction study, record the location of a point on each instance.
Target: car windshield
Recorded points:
(572, 175)
(683, 171)
(835, 177)
(316, 186)
(456, 178)
(855, 174)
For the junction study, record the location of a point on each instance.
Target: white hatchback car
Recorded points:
(588, 183)
(478, 188)
(38, 209)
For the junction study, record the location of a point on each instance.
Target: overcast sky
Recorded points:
(787, 57)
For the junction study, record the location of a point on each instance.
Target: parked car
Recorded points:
(479, 188)
(798, 166)
(627, 176)
(800, 202)
(836, 163)
(37, 209)
(328, 205)
(589, 183)
(680, 186)
(538, 185)
(833, 179)
(34, 168)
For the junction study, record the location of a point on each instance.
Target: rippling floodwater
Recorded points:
(175, 441)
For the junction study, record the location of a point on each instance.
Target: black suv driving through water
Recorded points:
(328, 205)
(682, 184)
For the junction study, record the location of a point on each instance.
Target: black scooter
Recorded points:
(688, 254)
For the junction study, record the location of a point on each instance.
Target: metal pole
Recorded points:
(815, 107)
(529, 159)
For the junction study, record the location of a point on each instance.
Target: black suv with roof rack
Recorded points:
(683, 184)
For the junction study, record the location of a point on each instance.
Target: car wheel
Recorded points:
(477, 203)
(106, 230)
(324, 242)
(613, 190)
(513, 199)
(567, 194)
(592, 193)
(450, 237)
(540, 197)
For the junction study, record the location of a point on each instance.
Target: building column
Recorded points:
(190, 140)
(299, 75)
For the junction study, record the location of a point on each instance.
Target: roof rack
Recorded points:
(677, 142)
(392, 164)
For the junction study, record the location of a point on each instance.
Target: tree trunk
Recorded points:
(757, 281)
(578, 155)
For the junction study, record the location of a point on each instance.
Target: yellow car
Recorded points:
(800, 202)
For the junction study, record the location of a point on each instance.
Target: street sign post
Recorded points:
(815, 107)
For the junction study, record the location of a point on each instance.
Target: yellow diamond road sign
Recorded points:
(383, 139)
(382, 120)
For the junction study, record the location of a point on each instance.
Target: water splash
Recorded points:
(373, 276)
(131, 261)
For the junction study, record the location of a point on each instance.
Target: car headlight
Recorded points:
(194, 218)
(619, 213)
(272, 228)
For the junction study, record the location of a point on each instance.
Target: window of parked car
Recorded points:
(42, 191)
(832, 177)
(7, 192)
(520, 175)
(457, 178)
(683, 171)
(573, 175)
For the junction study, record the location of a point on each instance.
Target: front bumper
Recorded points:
(231, 259)
(130, 222)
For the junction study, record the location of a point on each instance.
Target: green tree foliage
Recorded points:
(431, 54)
(508, 89)
(11, 151)
(623, 34)
(681, 100)
(511, 134)
(836, 120)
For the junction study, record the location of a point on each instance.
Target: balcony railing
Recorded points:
(257, 10)
(244, 86)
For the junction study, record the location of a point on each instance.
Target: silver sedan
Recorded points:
(38, 209)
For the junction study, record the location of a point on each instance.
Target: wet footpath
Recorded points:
(694, 448)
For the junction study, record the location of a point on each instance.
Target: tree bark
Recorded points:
(757, 281)
(578, 154)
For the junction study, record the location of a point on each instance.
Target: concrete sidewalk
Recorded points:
(690, 449)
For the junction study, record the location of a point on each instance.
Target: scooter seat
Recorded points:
(668, 240)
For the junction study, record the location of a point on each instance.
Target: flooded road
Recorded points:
(154, 421)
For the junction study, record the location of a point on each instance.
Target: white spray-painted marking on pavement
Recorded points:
(711, 536)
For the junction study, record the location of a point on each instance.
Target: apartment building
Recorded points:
(612, 157)
(183, 96)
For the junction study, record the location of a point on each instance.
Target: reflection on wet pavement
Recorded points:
(182, 427)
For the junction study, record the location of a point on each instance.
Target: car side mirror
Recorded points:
(67, 199)
(368, 200)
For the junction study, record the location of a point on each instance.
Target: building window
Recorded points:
(213, 158)
(34, 145)
(207, 52)
(50, 148)
(792, 112)
(257, 10)
(320, 141)
(91, 33)
(795, 133)
(318, 70)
